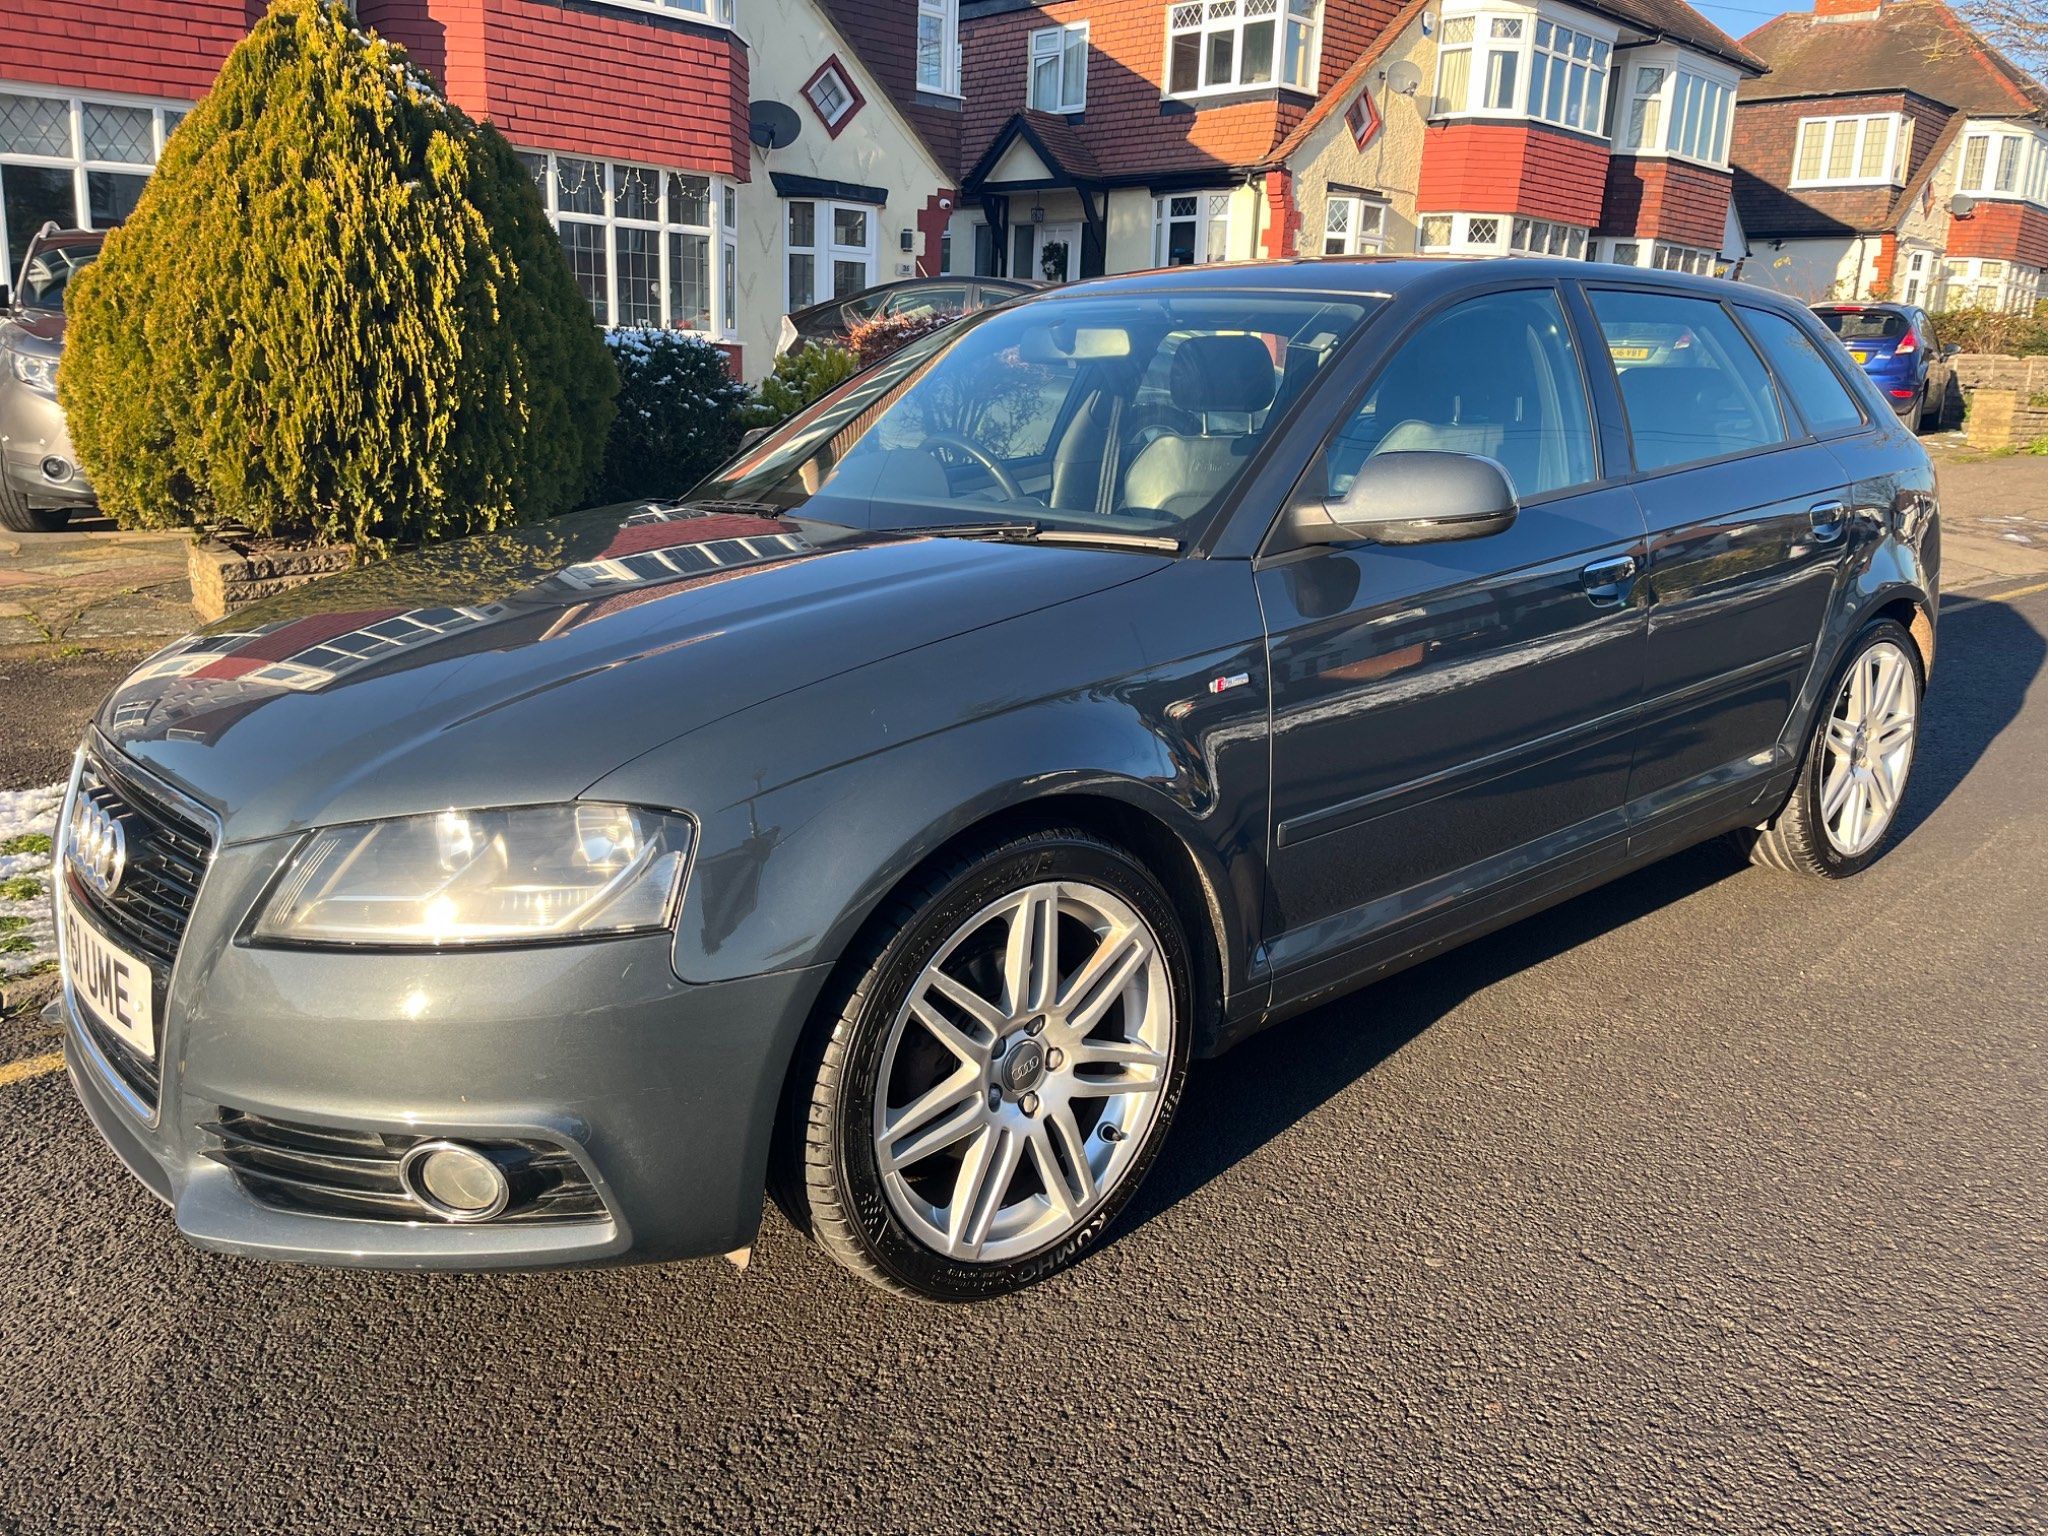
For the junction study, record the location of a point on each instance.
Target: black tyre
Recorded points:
(17, 515)
(1914, 416)
(1843, 809)
(1000, 1074)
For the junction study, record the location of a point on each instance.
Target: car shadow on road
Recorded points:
(1989, 655)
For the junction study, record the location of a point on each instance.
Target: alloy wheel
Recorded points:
(1869, 747)
(1023, 1071)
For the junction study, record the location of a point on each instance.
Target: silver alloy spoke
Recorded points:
(1030, 958)
(963, 1087)
(1069, 1180)
(984, 1178)
(963, 1120)
(984, 1013)
(1102, 979)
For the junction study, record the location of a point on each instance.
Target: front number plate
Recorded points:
(120, 989)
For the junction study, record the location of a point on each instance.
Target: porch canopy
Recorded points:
(1032, 154)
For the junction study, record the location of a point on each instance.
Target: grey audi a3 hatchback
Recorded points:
(887, 824)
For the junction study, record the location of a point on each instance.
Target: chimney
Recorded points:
(1846, 10)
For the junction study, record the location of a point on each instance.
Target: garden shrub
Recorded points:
(679, 414)
(809, 373)
(1986, 330)
(338, 310)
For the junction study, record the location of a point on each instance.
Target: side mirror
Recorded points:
(1412, 498)
(1953, 349)
(752, 436)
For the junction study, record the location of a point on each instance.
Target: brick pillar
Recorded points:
(1283, 217)
(931, 223)
(1887, 266)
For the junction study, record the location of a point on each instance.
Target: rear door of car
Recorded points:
(1453, 719)
(1747, 513)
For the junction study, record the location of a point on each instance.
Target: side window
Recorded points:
(1693, 386)
(1815, 388)
(928, 299)
(1495, 376)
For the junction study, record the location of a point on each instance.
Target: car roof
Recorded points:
(67, 237)
(1843, 307)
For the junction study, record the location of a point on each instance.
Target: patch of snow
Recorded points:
(22, 812)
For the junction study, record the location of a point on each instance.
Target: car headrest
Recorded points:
(1221, 373)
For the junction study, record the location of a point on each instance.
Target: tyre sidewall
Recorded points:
(1053, 856)
(1813, 777)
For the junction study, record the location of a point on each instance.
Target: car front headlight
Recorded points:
(534, 874)
(36, 371)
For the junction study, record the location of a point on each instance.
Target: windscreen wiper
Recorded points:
(1023, 532)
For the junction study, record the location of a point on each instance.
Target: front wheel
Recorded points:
(1857, 762)
(1002, 1075)
(17, 516)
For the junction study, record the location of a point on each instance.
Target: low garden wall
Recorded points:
(2006, 399)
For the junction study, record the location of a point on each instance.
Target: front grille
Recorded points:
(168, 849)
(323, 1171)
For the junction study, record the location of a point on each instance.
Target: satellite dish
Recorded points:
(1962, 205)
(772, 125)
(1404, 79)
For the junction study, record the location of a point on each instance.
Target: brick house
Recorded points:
(1112, 135)
(632, 114)
(1892, 153)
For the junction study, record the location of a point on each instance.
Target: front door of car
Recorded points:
(1448, 718)
(1748, 522)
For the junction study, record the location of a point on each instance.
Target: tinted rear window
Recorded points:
(1815, 388)
(1692, 385)
(1864, 324)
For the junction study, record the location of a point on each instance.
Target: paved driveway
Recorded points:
(1714, 1201)
(92, 584)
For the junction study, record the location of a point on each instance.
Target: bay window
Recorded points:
(2005, 162)
(719, 11)
(1517, 62)
(938, 46)
(1059, 68)
(1675, 109)
(1849, 151)
(1222, 45)
(1977, 282)
(831, 251)
(1496, 234)
(1190, 228)
(647, 247)
(80, 162)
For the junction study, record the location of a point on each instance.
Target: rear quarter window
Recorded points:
(1817, 391)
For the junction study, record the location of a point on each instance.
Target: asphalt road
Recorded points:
(1714, 1201)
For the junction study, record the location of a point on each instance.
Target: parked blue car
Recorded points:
(1896, 345)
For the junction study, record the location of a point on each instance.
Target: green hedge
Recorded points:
(1985, 330)
(679, 414)
(338, 310)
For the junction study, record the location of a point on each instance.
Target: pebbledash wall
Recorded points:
(632, 115)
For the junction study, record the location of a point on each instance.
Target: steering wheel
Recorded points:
(1011, 490)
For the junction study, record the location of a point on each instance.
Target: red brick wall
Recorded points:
(1123, 127)
(1762, 145)
(2010, 231)
(1512, 168)
(1666, 200)
(139, 47)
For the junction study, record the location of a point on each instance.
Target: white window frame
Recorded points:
(835, 77)
(1365, 224)
(1211, 212)
(165, 114)
(1054, 45)
(716, 13)
(1496, 234)
(945, 15)
(1499, 60)
(826, 251)
(719, 233)
(1861, 125)
(1990, 282)
(1690, 100)
(1297, 33)
(2029, 151)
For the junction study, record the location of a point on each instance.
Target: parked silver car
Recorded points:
(41, 484)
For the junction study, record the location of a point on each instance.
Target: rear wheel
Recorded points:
(1003, 1073)
(16, 514)
(1854, 777)
(1919, 410)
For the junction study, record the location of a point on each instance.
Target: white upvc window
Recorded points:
(717, 12)
(1229, 45)
(1979, 282)
(831, 96)
(1861, 151)
(1059, 68)
(938, 46)
(831, 251)
(1634, 251)
(1499, 234)
(1676, 107)
(647, 246)
(77, 161)
(2005, 162)
(1354, 225)
(1516, 61)
(1190, 228)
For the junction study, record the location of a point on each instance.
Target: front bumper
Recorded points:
(33, 434)
(664, 1093)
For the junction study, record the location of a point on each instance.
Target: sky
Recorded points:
(1744, 15)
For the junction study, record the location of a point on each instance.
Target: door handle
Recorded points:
(1828, 519)
(1608, 581)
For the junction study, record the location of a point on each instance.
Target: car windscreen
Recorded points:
(1122, 413)
(1864, 324)
(46, 276)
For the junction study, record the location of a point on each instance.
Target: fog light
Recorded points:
(58, 470)
(454, 1181)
